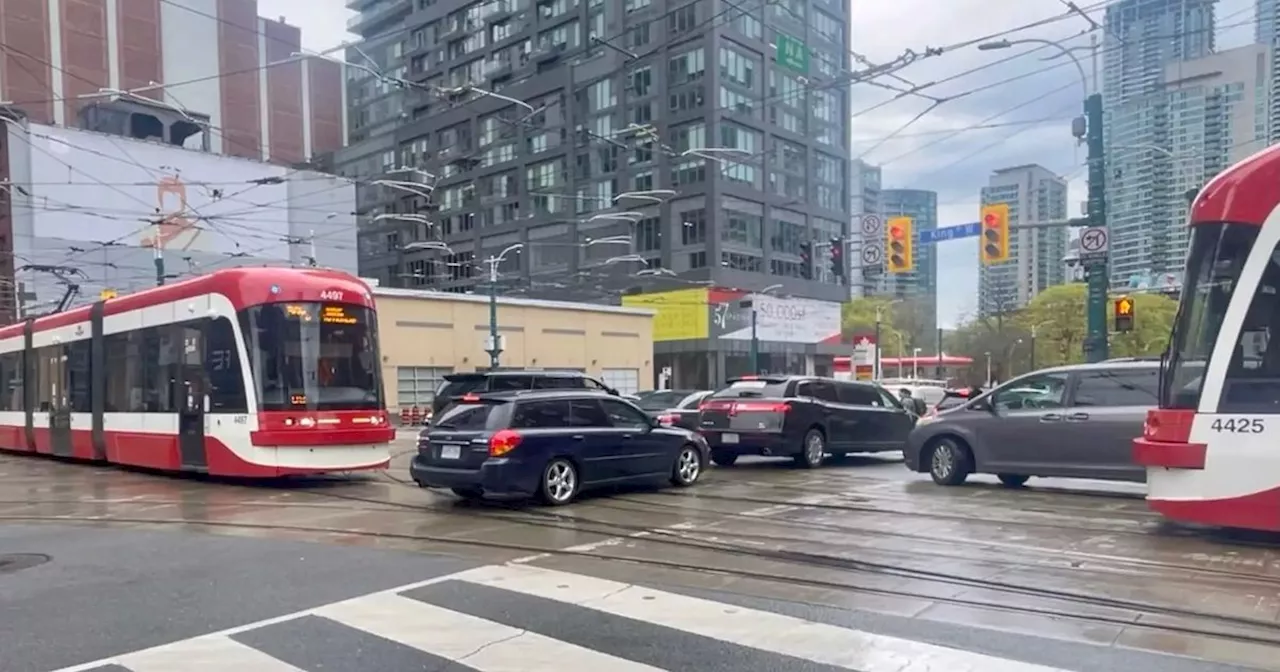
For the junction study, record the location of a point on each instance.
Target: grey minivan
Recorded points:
(1074, 421)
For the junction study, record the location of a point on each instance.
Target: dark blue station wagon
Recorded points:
(551, 445)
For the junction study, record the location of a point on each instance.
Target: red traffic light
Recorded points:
(991, 219)
(896, 232)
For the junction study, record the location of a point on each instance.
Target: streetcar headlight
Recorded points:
(307, 422)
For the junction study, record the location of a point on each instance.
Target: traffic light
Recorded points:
(897, 246)
(995, 234)
(1124, 314)
(806, 260)
(837, 257)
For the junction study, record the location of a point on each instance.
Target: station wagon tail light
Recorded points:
(667, 419)
(503, 442)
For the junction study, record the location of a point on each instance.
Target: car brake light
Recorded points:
(503, 442)
(715, 405)
(761, 407)
(667, 419)
(470, 397)
(749, 378)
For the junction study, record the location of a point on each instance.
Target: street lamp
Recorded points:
(875, 365)
(495, 346)
(1005, 44)
(988, 356)
(755, 340)
(915, 359)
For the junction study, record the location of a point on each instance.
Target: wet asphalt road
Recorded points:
(861, 557)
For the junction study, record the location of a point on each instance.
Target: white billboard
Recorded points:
(102, 203)
(784, 320)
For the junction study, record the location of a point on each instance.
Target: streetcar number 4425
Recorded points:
(1239, 425)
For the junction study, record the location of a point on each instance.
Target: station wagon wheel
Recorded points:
(559, 482)
(949, 462)
(688, 467)
(813, 450)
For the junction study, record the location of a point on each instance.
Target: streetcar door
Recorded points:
(190, 396)
(59, 400)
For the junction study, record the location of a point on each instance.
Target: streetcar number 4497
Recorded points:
(1239, 425)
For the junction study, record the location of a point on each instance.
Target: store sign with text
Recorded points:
(786, 320)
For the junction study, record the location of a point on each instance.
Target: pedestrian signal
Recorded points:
(837, 257)
(1124, 314)
(995, 234)
(806, 260)
(899, 257)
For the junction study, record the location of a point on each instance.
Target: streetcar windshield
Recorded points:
(1214, 262)
(313, 356)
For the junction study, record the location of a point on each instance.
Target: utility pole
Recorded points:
(157, 247)
(1096, 272)
(875, 364)
(495, 344)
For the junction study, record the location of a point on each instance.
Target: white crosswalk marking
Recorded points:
(211, 653)
(474, 642)
(395, 625)
(781, 634)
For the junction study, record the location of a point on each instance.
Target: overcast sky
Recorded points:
(925, 155)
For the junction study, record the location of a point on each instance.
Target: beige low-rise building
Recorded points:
(427, 335)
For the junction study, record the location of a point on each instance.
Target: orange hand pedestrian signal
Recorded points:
(899, 256)
(1124, 314)
(995, 234)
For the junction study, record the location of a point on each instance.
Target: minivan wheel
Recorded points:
(813, 450)
(724, 458)
(688, 467)
(1013, 480)
(559, 482)
(949, 462)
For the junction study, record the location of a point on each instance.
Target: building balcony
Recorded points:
(545, 53)
(458, 31)
(377, 15)
(497, 69)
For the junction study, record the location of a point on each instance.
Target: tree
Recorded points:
(1060, 323)
(858, 319)
(916, 317)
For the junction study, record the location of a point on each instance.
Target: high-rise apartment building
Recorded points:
(1153, 97)
(1034, 194)
(212, 59)
(864, 193)
(614, 97)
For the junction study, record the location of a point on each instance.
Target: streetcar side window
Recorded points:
(1252, 383)
(222, 362)
(78, 365)
(11, 381)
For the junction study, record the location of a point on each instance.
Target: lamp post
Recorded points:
(494, 348)
(988, 356)
(1088, 129)
(755, 339)
(915, 360)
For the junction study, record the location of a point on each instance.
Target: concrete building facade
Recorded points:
(1036, 255)
(594, 124)
(864, 193)
(215, 58)
(426, 335)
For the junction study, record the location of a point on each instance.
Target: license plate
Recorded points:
(728, 438)
(450, 452)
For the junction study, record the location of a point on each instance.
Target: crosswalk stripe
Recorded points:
(209, 653)
(763, 630)
(475, 642)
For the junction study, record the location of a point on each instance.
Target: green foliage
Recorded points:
(858, 318)
(1058, 315)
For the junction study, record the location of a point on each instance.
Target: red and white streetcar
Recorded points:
(1212, 448)
(251, 372)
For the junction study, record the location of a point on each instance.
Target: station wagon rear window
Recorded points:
(465, 417)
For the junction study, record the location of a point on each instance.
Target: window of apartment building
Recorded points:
(742, 227)
(642, 114)
(790, 10)
(497, 155)
(825, 106)
(785, 118)
(687, 99)
(747, 25)
(688, 136)
(561, 37)
(642, 81)
(786, 89)
(642, 181)
(686, 67)
(828, 169)
(742, 262)
(648, 235)
(551, 10)
(595, 25)
(684, 18)
(550, 246)
(738, 68)
(543, 175)
(639, 35)
(601, 95)
(607, 159)
(785, 235)
(696, 260)
(827, 26)
(733, 101)
(786, 184)
(693, 227)
(635, 5)
(642, 153)
(689, 171)
(826, 62)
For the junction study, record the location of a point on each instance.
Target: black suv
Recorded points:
(458, 384)
(801, 416)
(551, 444)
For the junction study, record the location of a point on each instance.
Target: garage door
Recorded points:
(625, 381)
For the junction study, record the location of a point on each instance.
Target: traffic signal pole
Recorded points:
(1095, 344)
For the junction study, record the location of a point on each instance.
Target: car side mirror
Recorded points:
(983, 404)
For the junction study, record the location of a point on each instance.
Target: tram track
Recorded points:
(802, 559)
